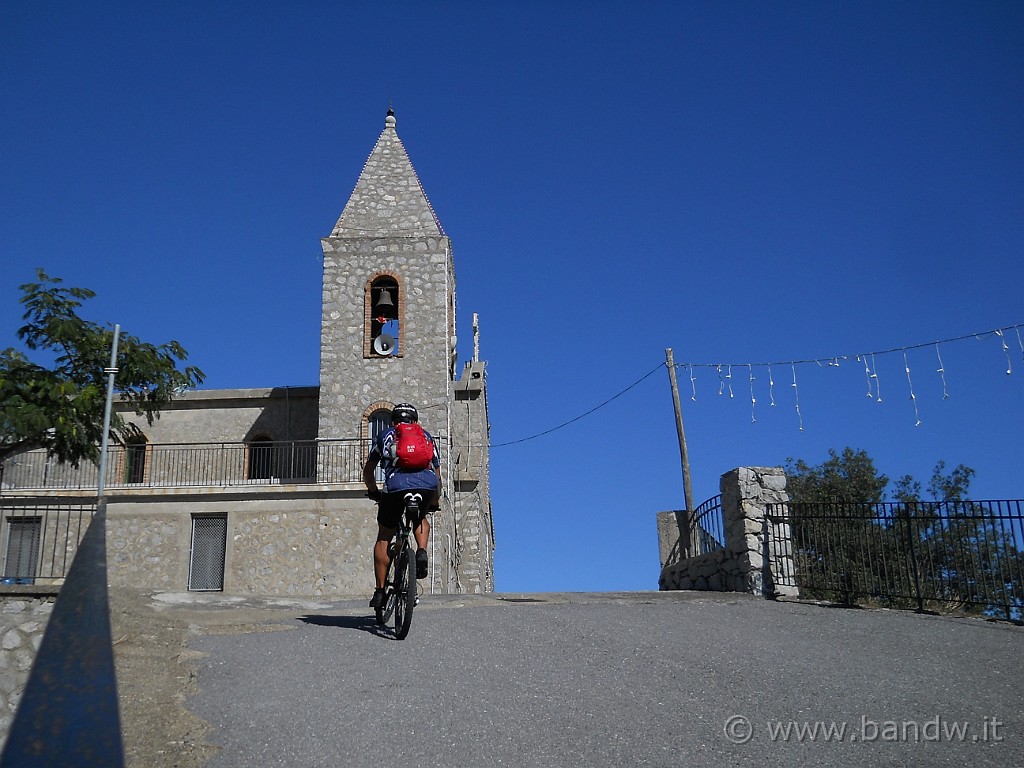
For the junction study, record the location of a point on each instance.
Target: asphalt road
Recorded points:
(652, 679)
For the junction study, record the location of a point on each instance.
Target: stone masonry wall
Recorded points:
(419, 373)
(148, 548)
(236, 415)
(471, 475)
(280, 541)
(310, 548)
(743, 565)
(24, 614)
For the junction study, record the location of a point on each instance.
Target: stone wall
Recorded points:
(420, 372)
(236, 416)
(670, 524)
(311, 547)
(471, 482)
(748, 560)
(24, 614)
(280, 540)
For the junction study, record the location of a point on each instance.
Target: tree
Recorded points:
(831, 522)
(965, 555)
(850, 477)
(60, 408)
(947, 552)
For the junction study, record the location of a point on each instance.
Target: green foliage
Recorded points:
(60, 408)
(850, 477)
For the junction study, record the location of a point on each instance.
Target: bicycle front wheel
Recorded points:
(405, 593)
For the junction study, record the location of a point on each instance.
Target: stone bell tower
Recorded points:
(388, 324)
(388, 336)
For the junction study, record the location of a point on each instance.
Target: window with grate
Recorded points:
(209, 542)
(22, 557)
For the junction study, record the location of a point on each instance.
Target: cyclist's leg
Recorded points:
(421, 532)
(389, 511)
(380, 554)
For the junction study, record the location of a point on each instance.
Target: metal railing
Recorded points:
(704, 532)
(40, 540)
(965, 555)
(194, 464)
(68, 713)
(707, 528)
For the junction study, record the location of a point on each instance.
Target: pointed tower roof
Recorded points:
(388, 200)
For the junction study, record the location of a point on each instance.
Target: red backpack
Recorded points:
(413, 449)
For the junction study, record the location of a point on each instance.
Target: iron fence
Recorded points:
(194, 464)
(707, 529)
(68, 713)
(39, 541)
(703, 531)
(963, 555)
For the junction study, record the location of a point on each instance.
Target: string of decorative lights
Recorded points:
(868, 359)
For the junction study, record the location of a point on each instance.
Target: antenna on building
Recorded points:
(476, 338)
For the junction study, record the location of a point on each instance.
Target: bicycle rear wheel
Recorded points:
(405, 592)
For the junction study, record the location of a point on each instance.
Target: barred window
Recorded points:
(209, 544)
(22, 556)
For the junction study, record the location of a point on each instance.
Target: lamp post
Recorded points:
(105, 440)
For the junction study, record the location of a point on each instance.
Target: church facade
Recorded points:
(259, 491)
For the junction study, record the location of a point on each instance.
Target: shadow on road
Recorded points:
(363, 623)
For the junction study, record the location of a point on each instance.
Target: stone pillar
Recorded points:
(670, 526)
(757, 552)
(759, 558)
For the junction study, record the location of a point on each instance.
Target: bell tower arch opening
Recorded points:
(383, 312)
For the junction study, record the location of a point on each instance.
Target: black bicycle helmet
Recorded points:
(403, 413)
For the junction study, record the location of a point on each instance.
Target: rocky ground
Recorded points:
(156, 671)
(155, 675)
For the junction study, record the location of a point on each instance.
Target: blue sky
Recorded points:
(744, 182)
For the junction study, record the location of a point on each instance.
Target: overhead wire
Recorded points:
(573, 420)
(832, 361)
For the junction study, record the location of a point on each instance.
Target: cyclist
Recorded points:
(391, 503)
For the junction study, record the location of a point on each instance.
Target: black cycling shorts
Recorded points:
(391, 506)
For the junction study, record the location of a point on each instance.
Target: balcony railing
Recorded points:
(194, 464)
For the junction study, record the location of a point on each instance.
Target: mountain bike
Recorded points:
(400, 584)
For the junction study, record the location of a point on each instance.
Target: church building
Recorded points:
(259, 491)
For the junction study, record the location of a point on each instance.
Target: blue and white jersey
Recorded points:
(396, 479)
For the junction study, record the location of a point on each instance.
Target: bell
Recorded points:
(384, 307)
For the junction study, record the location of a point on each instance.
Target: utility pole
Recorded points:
(684, 457)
